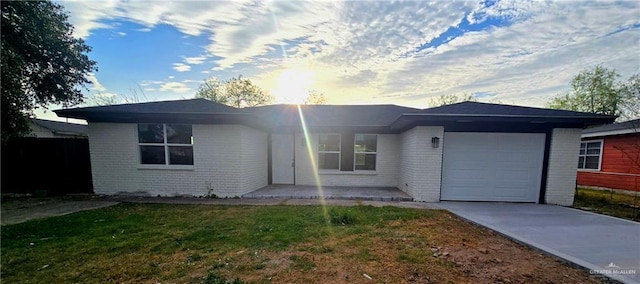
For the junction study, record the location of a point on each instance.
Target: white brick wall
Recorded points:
(387, 165)
(220, 162)
(421, 165)
(562, 169)
(254, 159)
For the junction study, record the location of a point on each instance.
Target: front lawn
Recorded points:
(150, 243)
(609, 203)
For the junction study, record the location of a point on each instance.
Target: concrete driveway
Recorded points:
(602, 244)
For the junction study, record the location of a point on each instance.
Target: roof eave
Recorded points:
(167, 117)
(610, 133)
(583, 121)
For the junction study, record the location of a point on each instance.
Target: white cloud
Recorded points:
(176, 87)
(87, 15)
(95, 84)
(527, 62)
(181, 67)
(122, 33)
(195, 60)
(365, 51)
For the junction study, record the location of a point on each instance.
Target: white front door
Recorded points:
(492, 166)
(282, 162)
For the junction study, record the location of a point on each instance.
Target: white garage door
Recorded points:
(492, 166)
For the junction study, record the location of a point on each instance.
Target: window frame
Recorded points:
(356, 152)
(585, 155)
(166, 145)
(339, 152)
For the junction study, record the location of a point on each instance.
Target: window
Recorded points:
(365, 150)
(329, 151)
(590, 154)
(165, 144)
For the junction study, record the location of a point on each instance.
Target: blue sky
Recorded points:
(356, 52)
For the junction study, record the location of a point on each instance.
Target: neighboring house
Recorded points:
(41, 128)
(465, 151)
(610, 156)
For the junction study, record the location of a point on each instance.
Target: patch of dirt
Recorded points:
(427, 250)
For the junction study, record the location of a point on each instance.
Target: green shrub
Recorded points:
(342, 216)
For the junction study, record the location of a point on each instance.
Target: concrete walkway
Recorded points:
(602, 244)
(330, 192)
(25, 209)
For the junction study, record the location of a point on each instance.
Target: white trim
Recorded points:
(353, 173)
(610, 133)
(339, 152)
(355, 152)
(165, 167)
(586, 155)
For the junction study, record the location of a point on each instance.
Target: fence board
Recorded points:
(56, 166)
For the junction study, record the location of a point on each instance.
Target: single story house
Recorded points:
(42, 128)
(610, 156)
(467, 151)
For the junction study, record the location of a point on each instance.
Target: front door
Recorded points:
(282, 159)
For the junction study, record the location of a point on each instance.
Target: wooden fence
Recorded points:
(51, 166)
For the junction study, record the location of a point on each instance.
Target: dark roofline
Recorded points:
(504, 115)
(252, 116)
(613, 129)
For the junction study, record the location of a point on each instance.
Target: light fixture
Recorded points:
(435, 142)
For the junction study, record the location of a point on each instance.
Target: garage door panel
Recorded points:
(492, 166)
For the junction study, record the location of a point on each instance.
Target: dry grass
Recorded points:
(609, 203)
(141, 243)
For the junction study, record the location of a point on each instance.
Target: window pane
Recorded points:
(153, 155)
(179, 134)
(366, 162)
(150, 133)
(366, 143)
(593, 148)
(593, 151)
(583, 146)
(592, 145)
(181, 155)
(582, 151)
(328, 142)
(328, 161)
(592, 162)
(581, 163)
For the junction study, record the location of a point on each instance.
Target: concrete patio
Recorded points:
(329, 192)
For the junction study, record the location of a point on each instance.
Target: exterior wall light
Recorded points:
(435, 142)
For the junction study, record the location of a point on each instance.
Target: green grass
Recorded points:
(609, 203)
(181, 243)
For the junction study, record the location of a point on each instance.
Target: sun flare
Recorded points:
(293, 85)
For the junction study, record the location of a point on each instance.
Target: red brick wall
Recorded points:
(619, 168)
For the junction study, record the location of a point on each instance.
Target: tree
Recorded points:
(42, 63)
(630, 92)
(237, 92)
(451, 99)
(102, 100)
(596, 90)
(315, 98)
